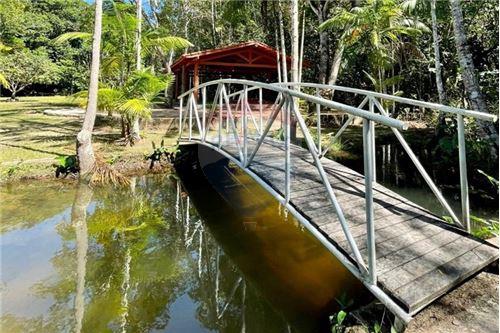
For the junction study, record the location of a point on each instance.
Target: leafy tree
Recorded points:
(120, 59)
(22, 68)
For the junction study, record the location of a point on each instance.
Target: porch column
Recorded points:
(184, 79)
(196, 80)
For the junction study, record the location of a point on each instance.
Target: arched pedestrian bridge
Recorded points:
(405, 255)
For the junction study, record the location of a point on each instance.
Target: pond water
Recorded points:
(150, 257)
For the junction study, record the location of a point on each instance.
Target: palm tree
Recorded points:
(136, 136)
(85, 152)
(120, 50)
(376, 30)
(134, 99)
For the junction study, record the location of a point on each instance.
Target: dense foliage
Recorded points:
(404, 51)
(27, 29)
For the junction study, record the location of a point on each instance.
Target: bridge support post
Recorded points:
(220, 115)
(289, 105)
(204, 111)
(318, 122)
(180, 116)
(464, 186)
(190, 116)
(244, 102)
(368, 159)
(261, 121)
(372, 139)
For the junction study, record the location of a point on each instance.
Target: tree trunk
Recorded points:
(85, 152)
(471, 82)
(337, 61)
(320, 12)
(138, 35)
(301, 58)
(465, 58)
(437, 56)
(136, 136)
(294, 13)
(283, 47)
(213, 19)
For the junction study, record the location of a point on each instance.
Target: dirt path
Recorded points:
(473, 307)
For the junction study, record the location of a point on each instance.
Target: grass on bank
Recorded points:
(30, 141)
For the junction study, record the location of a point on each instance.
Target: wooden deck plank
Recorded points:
(419, 256)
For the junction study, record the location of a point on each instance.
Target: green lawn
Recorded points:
(30, 140)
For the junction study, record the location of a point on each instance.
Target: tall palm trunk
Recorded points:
(85, 152)
(320, 9)
(471, 82)
(284, 66)
(294, 13)
(437, 56)
(138, 62)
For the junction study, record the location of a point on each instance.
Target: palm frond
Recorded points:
(172, 43)
(338, 21)
(409, 5)
(136, 108)
(69, 36)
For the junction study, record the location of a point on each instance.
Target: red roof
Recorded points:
(247, 54)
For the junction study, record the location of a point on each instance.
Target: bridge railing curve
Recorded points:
(218, 114)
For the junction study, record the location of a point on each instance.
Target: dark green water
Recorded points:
(151, 258)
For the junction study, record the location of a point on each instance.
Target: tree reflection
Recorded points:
(128, 254)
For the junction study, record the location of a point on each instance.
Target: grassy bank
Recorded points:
(30, 141)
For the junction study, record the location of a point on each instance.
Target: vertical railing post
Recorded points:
(221, 91)
(370, 227)
(244, 124)
(190, 116)
(261, 122)
(464, 186)
(204, 111)
(372, 131)
(180, 117)
(289, 104)
(318, 122)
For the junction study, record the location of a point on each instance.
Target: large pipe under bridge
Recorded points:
(405, 255)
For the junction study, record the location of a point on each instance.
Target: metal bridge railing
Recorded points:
(375, 101)
(256, 129)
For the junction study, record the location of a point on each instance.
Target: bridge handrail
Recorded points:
(286, 104)
(388, 121)
(286, 100)
(404, 100)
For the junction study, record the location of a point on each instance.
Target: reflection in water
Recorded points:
(79, 221)
(396, 171)
(143, 259)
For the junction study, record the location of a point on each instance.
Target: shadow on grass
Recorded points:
(32, 149)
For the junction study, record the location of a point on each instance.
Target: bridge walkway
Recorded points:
(419, 256)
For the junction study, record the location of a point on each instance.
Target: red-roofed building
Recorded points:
(250, 60)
